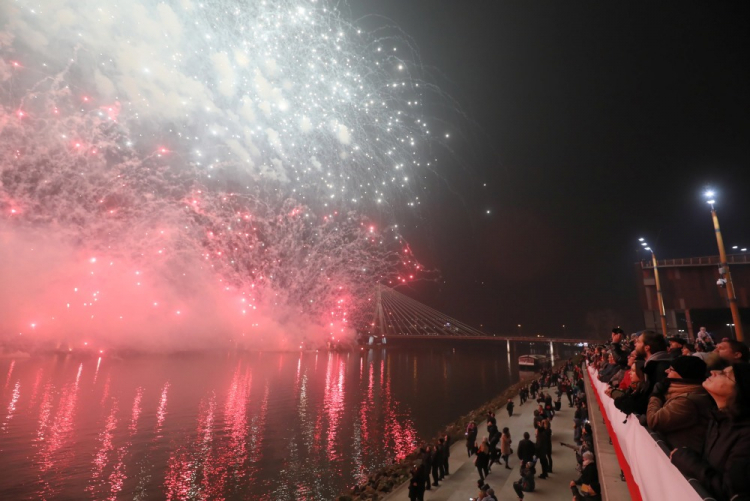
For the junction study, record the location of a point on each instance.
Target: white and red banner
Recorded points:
(654, 476)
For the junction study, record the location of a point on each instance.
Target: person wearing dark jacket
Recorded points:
(541, 451)
(548, 443)
(492, 440)
(471, 437)
(437, 463)
(587, 486)
(679, 407)
(725, 462)
(616, 346)
(509, 407)
(653, 348)
(416, 484)
(482, 461)
(446, 453)
(426, 466)
(526, 449)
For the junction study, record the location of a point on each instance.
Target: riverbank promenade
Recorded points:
(462, 482)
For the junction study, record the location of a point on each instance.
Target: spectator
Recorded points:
(653, 348)
(426, 466)
(548, 443)
(618, 345)
(587, 486)
(679, 407)
(482, 460)
(505, 449)
(492, 440)
(526, 482)
(731, 351)
(446, 454)
(688, 350)
(471, 438)
(705, 338)
(526, 449)
(725, 461)
(541, 451)
(675, 345)
(416, 484)
(635, 398)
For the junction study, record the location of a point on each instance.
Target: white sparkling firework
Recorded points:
(209, 162)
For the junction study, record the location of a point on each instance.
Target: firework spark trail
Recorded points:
(178, 170)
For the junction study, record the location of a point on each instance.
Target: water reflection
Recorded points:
(251, 426)
(11, 406)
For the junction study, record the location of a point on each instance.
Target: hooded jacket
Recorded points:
(682, 418)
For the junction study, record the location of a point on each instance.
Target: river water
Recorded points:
(265, 426)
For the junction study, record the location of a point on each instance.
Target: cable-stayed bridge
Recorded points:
(399, 316)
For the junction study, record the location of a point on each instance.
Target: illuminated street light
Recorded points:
(659, 296)
(724, 271)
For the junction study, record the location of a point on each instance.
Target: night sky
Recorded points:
(592, 124)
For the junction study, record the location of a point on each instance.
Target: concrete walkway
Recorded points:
(462, 482)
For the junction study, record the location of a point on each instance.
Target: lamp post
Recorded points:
(731, 329)
(724, 270)
(659, 296)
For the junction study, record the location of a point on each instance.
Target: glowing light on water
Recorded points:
(227, 152)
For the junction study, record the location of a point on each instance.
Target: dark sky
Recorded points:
(594, 123)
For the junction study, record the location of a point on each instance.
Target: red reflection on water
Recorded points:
(12, 405)
(101, 459)
(219, 460)
(35, 387)
(161, 413)
(45, 409)
(118, 476)
(105, 393)
(333, 403)
(136, 412)
(189, 467)
(399, 428)
(54, 451)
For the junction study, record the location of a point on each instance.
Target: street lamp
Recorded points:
(724, 269)
(659, 296)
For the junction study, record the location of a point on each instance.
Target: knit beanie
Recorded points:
(690, 368)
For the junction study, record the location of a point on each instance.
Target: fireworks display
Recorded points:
(187, 174)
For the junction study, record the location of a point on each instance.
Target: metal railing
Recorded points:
(696, 261)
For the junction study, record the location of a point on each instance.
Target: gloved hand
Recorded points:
(660, 389)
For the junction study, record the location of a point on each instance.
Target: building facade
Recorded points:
(692, 296)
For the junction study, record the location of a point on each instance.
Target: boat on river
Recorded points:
(533, 362)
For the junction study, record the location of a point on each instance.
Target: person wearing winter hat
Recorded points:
(675, 345)
(587, 485)
(679, 407)
(727, 446)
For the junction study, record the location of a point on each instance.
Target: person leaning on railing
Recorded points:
(724, 465)
(679, 407)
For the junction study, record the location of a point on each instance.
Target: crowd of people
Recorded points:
(535, 454)
(695, 395)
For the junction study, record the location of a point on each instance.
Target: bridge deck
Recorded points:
(489, 338)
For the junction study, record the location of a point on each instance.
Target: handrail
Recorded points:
(696, 261)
